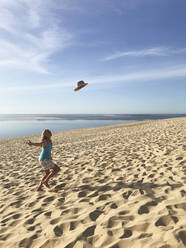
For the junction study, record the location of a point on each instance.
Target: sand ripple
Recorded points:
(119, 186)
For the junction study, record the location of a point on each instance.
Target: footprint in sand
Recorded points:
(17, 204)
(181, 205)
(127, 194)
(89, 231)
(95, 214)
(104, 197)
(16, 216)
(183, 193)
(171, 210)
(127, 234)
(82, 194)
(49, 199)
(166, 220)
(14, 223)
(114, 221)
(27, 242)
(32, 204)
(5, 236)
(31, 228)
(144, 209)
(179, 158)
(113, 206)
(58, 230)
(55, 221)
(182, 236)
(73, 225)
(29, 221)
(48, 214)
(5, 220)
(123, 212)
(60, 187)
(145, 235)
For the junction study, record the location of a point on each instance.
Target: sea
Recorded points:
(17, 125)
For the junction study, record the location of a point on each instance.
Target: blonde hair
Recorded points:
(43, 135)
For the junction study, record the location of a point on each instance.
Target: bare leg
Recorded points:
(55, 170)
(47, 172)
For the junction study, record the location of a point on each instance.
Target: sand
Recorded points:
(119, 186)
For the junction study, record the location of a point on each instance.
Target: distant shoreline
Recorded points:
(58, 117)
(127, 123)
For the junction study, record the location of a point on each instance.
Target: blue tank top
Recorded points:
(46, 152)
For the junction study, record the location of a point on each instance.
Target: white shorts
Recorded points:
(47, 164)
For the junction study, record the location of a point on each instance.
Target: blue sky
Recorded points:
(132, 54)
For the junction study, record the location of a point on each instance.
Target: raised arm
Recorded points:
(34, 144)
(44, 143)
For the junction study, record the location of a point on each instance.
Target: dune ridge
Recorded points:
(119, 186)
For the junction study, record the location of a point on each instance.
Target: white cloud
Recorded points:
(37, 87)
(156, 51)
(35, 19)
(136, 76)
(7, 20)
(34, 34)
(141, 76)
(30, 56)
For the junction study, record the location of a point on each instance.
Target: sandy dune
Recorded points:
(119, 186)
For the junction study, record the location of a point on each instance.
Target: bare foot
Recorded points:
(46, 184)
(39, 188)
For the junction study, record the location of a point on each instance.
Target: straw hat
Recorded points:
(80, 85)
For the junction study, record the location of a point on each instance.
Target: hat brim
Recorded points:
(80, 87)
